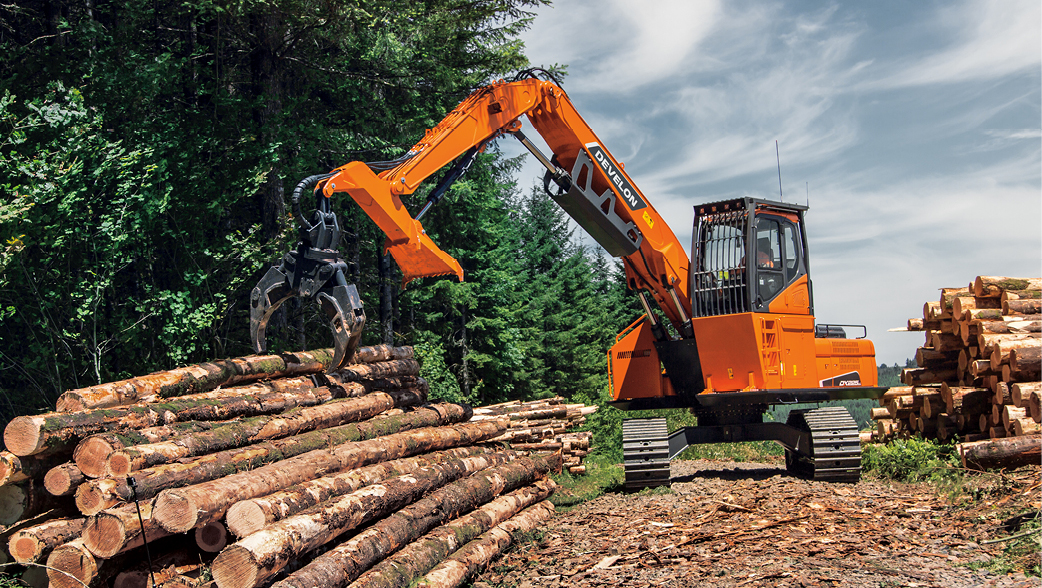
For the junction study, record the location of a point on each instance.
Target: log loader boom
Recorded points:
(738, 333)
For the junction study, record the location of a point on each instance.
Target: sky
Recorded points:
(914, 130)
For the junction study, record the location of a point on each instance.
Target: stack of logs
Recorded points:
(265, 469)
(979, 369)
(540, 426)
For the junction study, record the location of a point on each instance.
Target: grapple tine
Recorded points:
(270, 292)
(343, 307)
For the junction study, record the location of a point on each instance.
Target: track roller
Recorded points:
(835, 449)
(645, 452)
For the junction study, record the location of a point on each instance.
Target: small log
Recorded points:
(1021, 392)
(101, 493)
(70, 565)
(349, 560)
(1000, 350)
(965, 400)
(1026, 359)
(211, 537)
(196, 378)
(962, 304)
(57, 431)
(118, 530)
(165, 567)
(474, 556)
(252, 560)
(262, 428)
(922, 376)
(15, 469)
(948, 296)
(898, 391)
(25, 500)
(880, 413)
(1008, 453)
(179, 510)
(249, 516)
(1024, 306)
(996, 432)
(1002, 394)
(944, 342)
(993, 286)
(1025, 426)
(581, 469)
(1010, 413)
(32, 544)
(63, 480)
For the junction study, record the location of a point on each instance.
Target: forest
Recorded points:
(147, 153)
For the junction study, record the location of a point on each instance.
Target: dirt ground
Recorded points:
(747, 524)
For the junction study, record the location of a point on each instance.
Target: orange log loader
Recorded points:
(726, 333)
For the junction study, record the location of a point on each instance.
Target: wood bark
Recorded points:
(945, 342)
(1011, 413)
(880, 413)
(262, 428)
(101, 493)
(922, 376)
(1026, 359)
(57, 432)
(1021, 392)
(422, 554)
(963, 303)
(118, 530)
(965, 400)
(178, 510)
(948, 296)
(349, 560)
(32, 544)
(15, 469)
(92, 454)
(474, 556)
(993, 286)
(63, 480)
(249, 516)
(1024, 306)
(252, 560)
(1007, 327)
(195, 378)
(897, 391)
(1012, 452)
(1025, 426)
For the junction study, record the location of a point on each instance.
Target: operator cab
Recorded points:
(726, 235)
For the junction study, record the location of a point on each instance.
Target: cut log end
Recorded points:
(91, 500)
(71, 566)
(235, 567)
(23, 436)
(211, 537)
(118, 464)
(63, 480)
(245, 518)
(91, 455)
(104, 535)
(24, 548)
(175, 513)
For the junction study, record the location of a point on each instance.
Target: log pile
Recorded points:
(264, 470)
(978, 374)
(541, 426)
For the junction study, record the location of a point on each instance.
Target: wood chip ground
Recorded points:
(745, 524)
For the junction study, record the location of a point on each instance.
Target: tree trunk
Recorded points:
(262, 428)
(1025, 426)
(419, 553)
(14, 469)
(1021, 392)
(922, 376)
(1000, 350)
(945, 342)
(63, 480)
(993, 286)
(948, 296)
(1026, 359)
(118, 530)
(1025, 306)
(249, 516)
(57, 432)
(964, 400)
(32, 544)
(102, 493)
(195, 378)
(1009, 453)
(460, 566)
(181, 509)
(72, 566)
(259, 556)
(963, 303)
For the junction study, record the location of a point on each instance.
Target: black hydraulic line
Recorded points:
(455, 173)
(308, 182)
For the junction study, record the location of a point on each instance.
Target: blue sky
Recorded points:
(916, 127)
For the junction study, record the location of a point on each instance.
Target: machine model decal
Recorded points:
(847, 379)
(622, 185)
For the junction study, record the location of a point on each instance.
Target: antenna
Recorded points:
(808, 194)
(778, 153)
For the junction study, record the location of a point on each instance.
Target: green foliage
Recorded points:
(911, 460)
(601, 476)
(890, 376)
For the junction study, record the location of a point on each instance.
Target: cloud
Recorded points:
(990, 40)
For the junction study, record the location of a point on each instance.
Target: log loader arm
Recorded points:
(588, 183)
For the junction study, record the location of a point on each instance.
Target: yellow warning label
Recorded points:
(647, 219)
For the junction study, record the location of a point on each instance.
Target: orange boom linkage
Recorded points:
(741, 334)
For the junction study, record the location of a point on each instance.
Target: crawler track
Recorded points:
(835, 452)
(645, 453)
